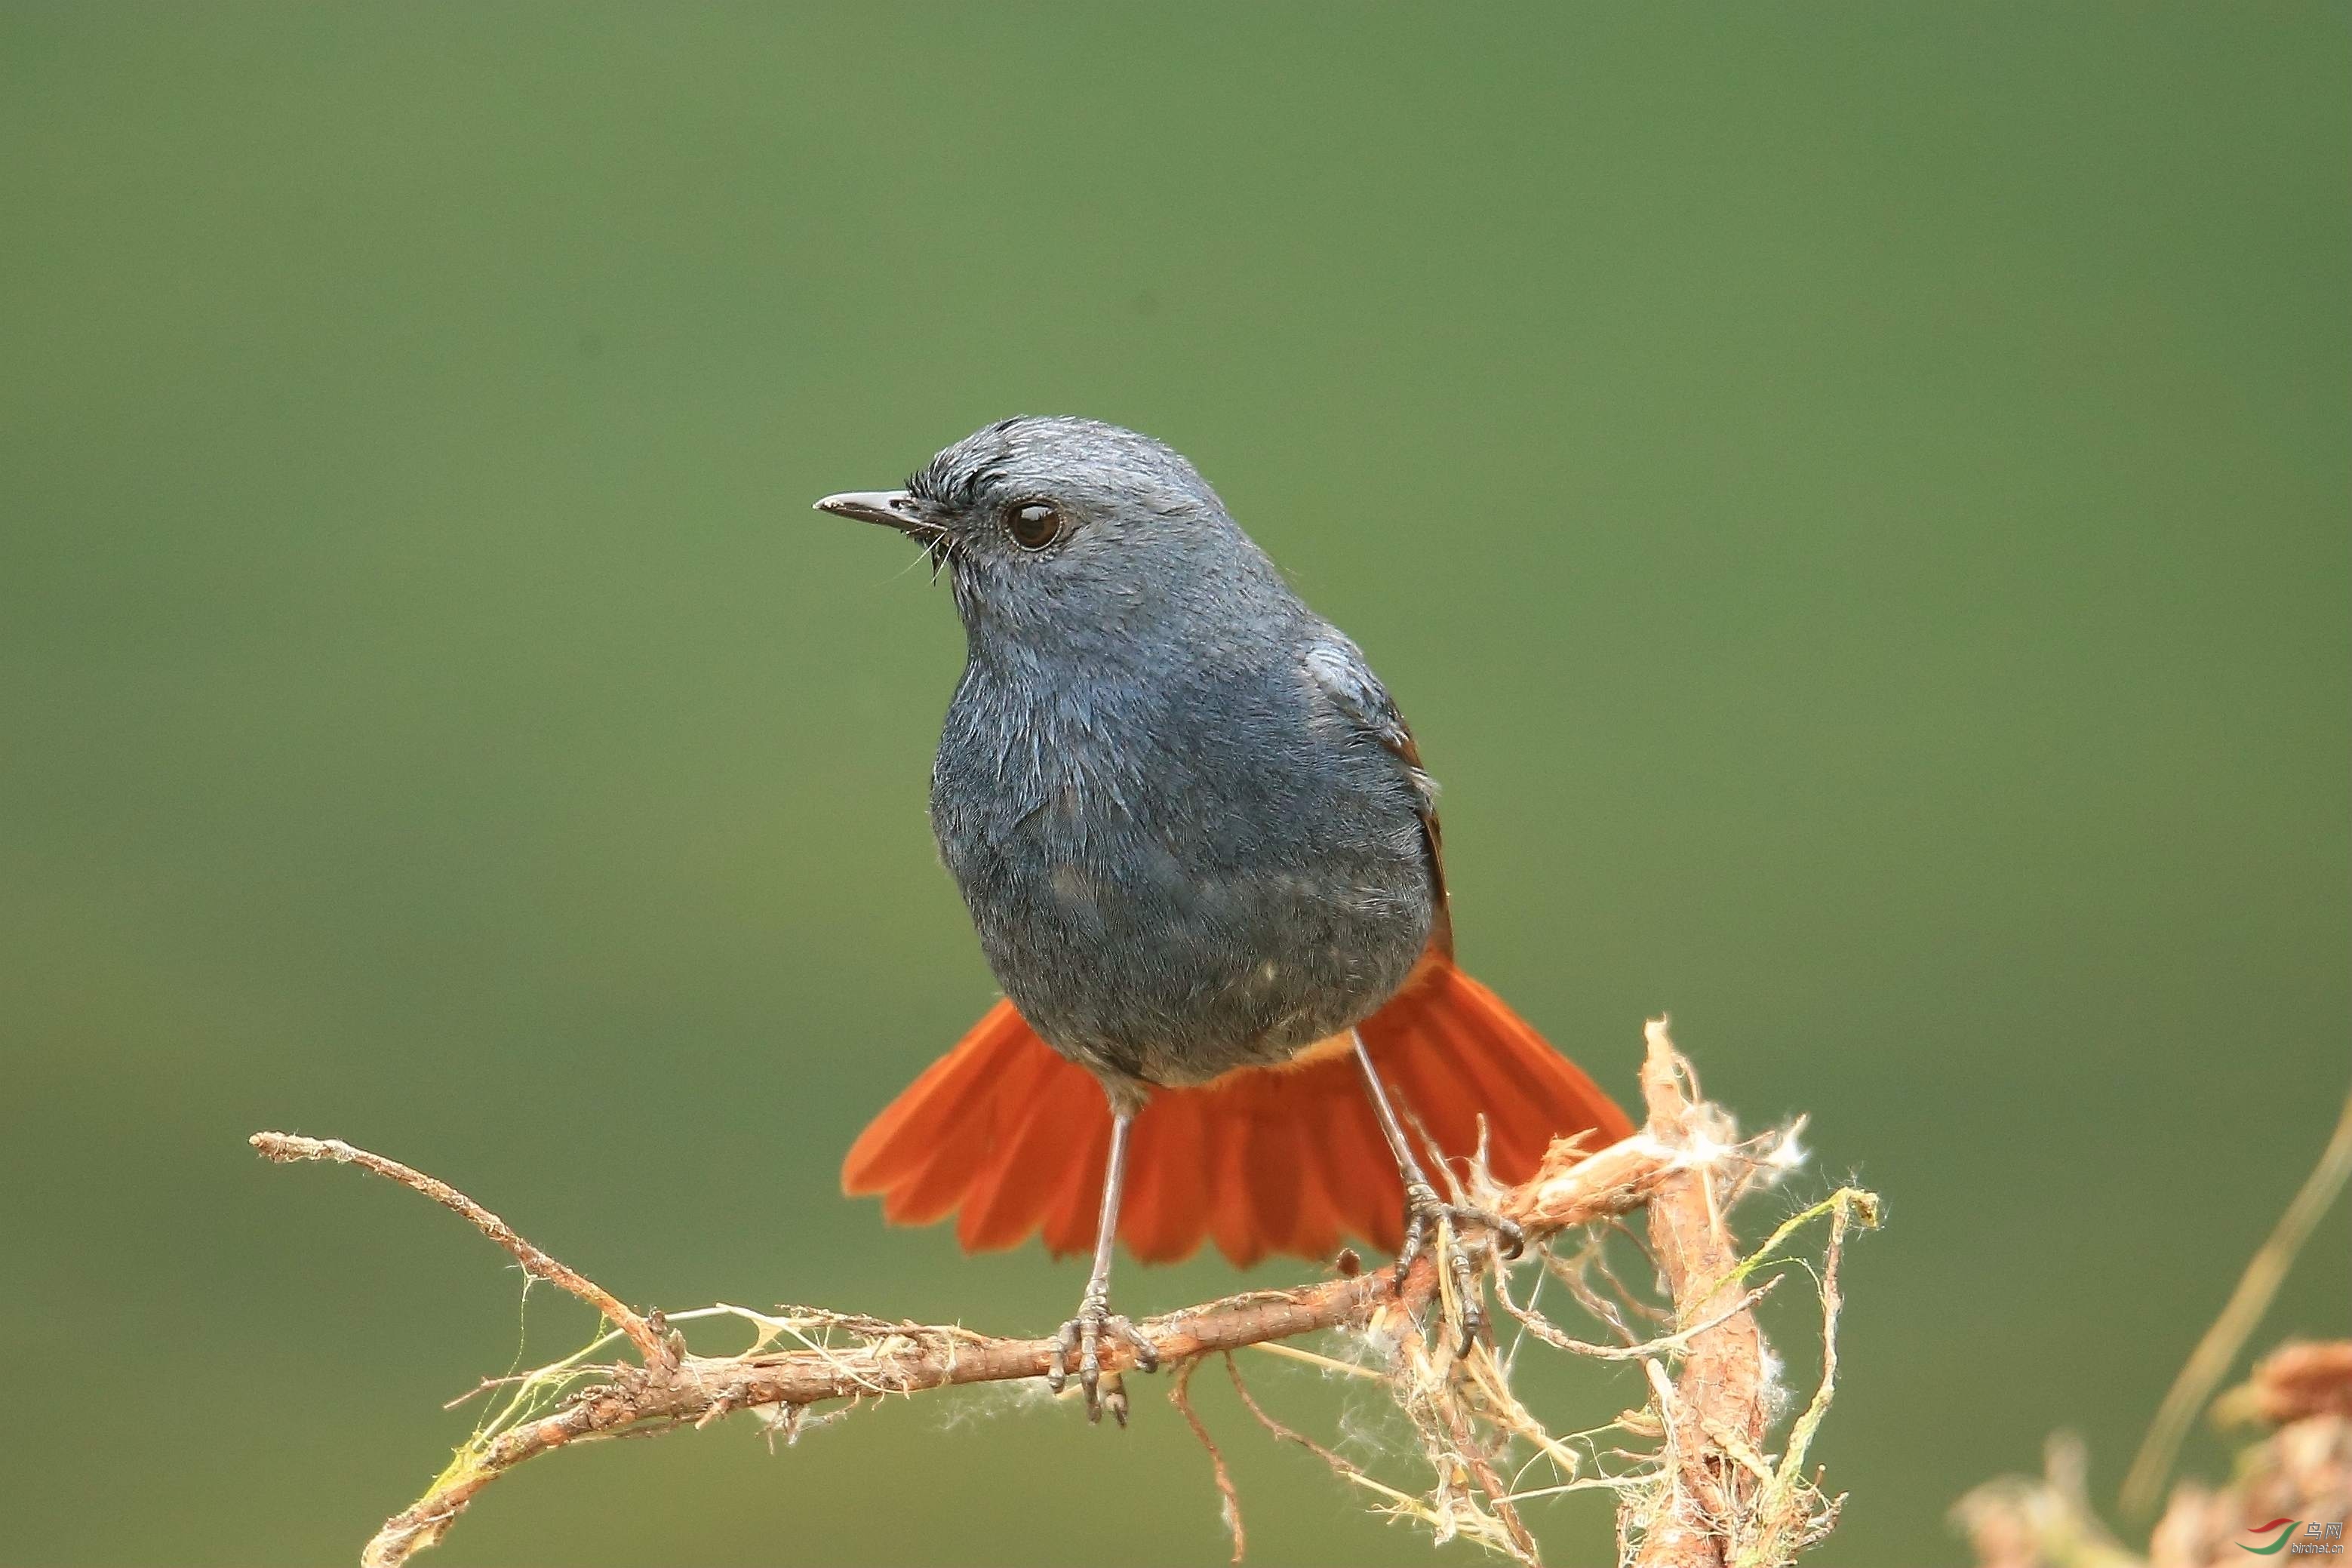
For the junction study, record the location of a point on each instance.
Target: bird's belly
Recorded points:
(1175, 976)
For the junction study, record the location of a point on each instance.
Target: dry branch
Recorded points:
(1682, 1165)
(1714, 1411)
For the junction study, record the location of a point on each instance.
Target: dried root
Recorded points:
(1691, 1463)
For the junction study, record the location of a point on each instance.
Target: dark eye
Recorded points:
(1033, 526)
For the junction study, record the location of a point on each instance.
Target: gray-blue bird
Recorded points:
(1202, 858)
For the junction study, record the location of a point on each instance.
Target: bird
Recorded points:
(1203, 859)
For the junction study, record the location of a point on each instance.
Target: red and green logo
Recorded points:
(2285, 1529)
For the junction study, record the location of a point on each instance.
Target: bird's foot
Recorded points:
(1432, 1223)
(1081, 1340)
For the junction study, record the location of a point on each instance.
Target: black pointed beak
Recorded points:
(891, 508)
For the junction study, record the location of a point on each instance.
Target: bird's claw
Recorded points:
(1425, 1212)
(1081, 1340)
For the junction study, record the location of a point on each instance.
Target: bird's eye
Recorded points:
(1033, 526)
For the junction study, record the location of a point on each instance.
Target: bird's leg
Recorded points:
(1424, 1211)
(1082, 1336)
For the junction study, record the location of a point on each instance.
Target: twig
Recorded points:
(2209, 1361)
(1340, 1466)
(1549, 1333)
(1498, 1493)
(287, 1148)
(1787, 1516)
(1180, 1395)
(1324, 1363)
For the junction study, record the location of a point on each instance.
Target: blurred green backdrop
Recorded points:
(1854, 501)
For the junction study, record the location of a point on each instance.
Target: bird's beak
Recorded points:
(891, 508)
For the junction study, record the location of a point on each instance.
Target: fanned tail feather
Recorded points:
(1011, 1138)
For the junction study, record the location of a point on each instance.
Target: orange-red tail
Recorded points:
(1012, 1138)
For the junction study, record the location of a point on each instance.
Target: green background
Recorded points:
(1854, 501)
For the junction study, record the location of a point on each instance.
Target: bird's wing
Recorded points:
(1337, 667)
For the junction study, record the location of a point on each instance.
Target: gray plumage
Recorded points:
(1185, 816)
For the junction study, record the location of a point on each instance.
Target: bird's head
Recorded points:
(1059, 531)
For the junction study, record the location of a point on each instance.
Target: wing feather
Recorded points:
(1338, 668)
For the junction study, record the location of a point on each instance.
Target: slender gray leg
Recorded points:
(1424, 1209)
(1082, 1336)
